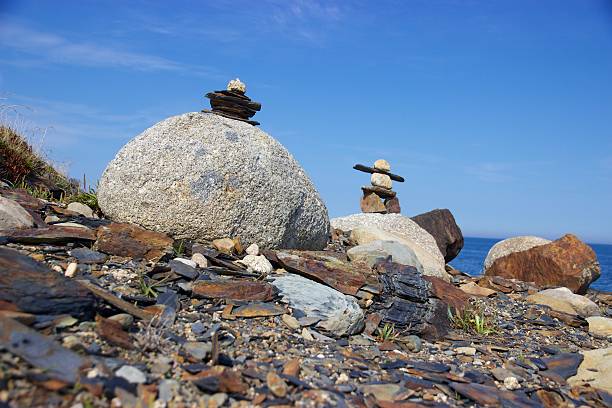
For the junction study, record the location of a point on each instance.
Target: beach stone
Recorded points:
(257, 263)
(595, 370)
(225, 245)
(13, 215)
(371, 203)
(442, 226)
(71, 270)
(188, 262)
(381, 180)
(339, 314)
(81, 209)
(87, 256)
(202, 176)
(393, 206)
(473, 289)
(432, 265)
(252, 249)
(510, 245)
(600, 326)
(382, 165)
(124, 319)
(132, 374)
(375, 250)
(131, 241)
(200, 260)
(564, 300)
(566, 261)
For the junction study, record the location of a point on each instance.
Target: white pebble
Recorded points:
(253, 249)
(200, 260)
(189, 262)
(71, 270)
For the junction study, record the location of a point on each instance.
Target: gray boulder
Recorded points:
(202, 176)
(13, 215)
(339, 314)
(510, 245)
(375, 250)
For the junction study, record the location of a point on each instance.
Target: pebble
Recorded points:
(252, 249)
(81, 209)
(132, 374)
(186, 261)
(197, 349)
(71, 270)
(511, 383)
(71, 342)
(200, 260)
(124, 319)
(290, 321)
(414, 343)
(51, 218)
(466, 351)
(167, 390)
(277, 385)
(306, 334)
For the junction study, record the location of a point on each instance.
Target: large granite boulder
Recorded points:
(564, 300)
(441, 225)
(396, 224)
(565, 262)
(510, 245)
(202, 176)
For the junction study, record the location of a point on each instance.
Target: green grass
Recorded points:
(472, 320)
(387, 333)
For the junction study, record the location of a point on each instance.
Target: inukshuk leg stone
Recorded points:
(371, 203)
(392, 205)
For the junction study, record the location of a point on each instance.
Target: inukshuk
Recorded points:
(233, 103)
(373, 196)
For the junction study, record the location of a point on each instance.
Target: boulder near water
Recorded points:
(202, 176)
(510, 245)
(441, 224)
(566, 261)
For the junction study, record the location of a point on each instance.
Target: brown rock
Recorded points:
(325, 269)
(129, 240)
(225, 245)
(393, 206)
(448, 293)
(36, 289)
(381, 192)
(565, 262)
(234, 290)
(258, 309)
(474, 290)
(112, 332)
(442, 226)
(276, 385)
(292, 367)
(115, 301)
(371, 203)
(50, 235)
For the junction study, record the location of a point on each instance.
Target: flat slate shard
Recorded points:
(130, 240)
(324, 269)
(372, 170)
(407, 301)
(50, 235)
(234, 290)
(36, 289)
(562, 366)
(40, 351)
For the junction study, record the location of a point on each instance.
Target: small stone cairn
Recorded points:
(233, 103)
(373, 196)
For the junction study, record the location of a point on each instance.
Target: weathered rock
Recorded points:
(396, 224)
(36, 289)
(112, 331)
(563, 300)
(339, 314)
(381, 180)
(371, 203)
(234, 290)
(382, 165)
(80, 208)
(511, 245)
(453, 297)
(600, 326)
(374, 251)
(13, 215)
(259, 309)
(473, 289)
(132, 241)
(56, 361)
(326, 269)
(562, 366)
(257, 263)
(432, 266)
(225, 245)
(87, 256)
(131, 374)
(393, 206)
(441, 224)
(191, 176)
(565, 262)
(200, 260)
(406, 301)
(595, 370)
(51, 235)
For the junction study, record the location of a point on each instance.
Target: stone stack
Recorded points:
(379, 197)
(233, 103)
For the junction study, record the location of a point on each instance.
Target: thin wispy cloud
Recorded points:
(56, 49)
(491, 172)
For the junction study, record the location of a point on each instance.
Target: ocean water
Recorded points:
(472, 256)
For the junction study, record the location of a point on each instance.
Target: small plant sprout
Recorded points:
(387, 333)
(472, 320)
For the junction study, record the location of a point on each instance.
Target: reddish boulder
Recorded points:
(441, 225)
(565, 262)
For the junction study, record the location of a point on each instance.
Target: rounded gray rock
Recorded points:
(202, 176)
(510, 245)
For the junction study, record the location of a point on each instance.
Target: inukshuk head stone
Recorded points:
(381, 189)
(233, 103)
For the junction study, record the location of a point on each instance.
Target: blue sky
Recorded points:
(498, 110)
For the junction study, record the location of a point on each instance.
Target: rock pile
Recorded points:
(233, 103)
(381, 189)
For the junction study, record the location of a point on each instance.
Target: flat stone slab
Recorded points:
(379, 191)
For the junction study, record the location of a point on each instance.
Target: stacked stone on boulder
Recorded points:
(233, 103)
(380, 197)
(203, 176)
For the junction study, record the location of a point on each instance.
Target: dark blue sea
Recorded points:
(475, 250)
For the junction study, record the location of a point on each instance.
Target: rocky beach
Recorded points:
(207, 273)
